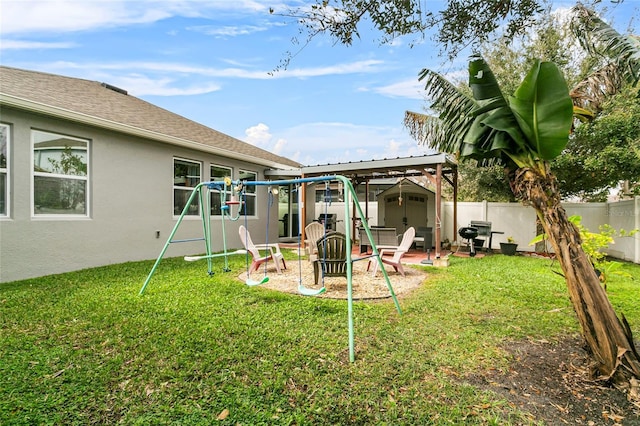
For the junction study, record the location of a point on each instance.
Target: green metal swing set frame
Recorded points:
(226, 189)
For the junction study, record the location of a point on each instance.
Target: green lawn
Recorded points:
(85, 348)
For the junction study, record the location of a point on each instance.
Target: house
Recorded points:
(90, 175)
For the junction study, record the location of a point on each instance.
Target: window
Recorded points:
(60, 174)
(249, 206)
(186, 176)
(4, 167)
(336, 192)
(218, 173)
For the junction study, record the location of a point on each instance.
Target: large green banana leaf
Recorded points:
(495, 129)
(544, 110)
(533, 125)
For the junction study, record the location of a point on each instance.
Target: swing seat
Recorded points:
(331, 258)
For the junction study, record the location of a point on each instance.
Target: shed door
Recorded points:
(412, 212)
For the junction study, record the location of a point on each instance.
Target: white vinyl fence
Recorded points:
(519, 222)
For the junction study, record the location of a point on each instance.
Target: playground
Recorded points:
(332, 254)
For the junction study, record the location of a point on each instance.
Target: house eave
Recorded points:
(40, 108)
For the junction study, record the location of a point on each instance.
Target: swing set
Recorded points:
(233, 193)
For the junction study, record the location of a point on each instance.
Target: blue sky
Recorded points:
(210, 61)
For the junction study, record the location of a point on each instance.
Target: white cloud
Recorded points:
(7, 44)
(343, 142)
(279, 146)
(228, 31)
(409, 88)
(191, 71)
(393, 148)
(80, 15)
(296, 156)
(139, 85)
(74, 15)
(136, 83)
(365, 66)
(258, 135)
(412, 88)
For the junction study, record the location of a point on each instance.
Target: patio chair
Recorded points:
(397, 251)
(331, 256)
(313, 232)
(273, 252)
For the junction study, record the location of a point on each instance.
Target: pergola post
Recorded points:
(302, 202)
(455, 204)
(438, 209)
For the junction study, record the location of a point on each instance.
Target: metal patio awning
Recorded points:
(436, 167)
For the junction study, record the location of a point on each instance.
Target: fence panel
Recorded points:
(519, 221)
(625, 215)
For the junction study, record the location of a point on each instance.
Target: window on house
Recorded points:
(249, 206)
(186, 176)
(60, 174)
(4, 169)
(218, 173)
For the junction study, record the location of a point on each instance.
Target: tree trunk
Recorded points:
(608, 339)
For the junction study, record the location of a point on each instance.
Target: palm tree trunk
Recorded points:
(608, 339)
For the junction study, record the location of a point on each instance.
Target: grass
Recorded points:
(85, 348)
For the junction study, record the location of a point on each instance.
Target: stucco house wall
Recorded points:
(130, 202)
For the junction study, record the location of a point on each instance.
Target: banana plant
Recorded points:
(524, 131)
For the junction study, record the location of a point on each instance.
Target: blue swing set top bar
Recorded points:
(221, 185)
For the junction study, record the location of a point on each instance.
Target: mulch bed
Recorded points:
(552, 382)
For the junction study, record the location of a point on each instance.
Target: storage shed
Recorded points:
(408, 203)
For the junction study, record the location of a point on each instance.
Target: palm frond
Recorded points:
(446, 131)
(599, 38)
(591, 92)
(530, 127)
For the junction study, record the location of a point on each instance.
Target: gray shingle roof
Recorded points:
(101, 105)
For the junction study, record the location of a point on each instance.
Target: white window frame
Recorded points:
(251, 191)
(218, 179)
(185, 188)
(5, 145)
(81, 178)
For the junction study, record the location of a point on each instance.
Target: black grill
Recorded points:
(484, 228)
(469, 233)
(328, 220)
